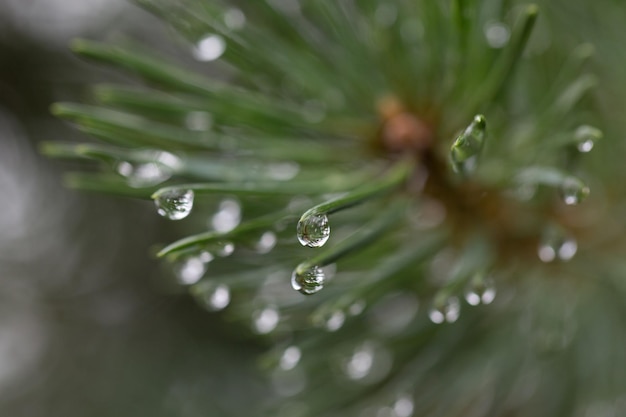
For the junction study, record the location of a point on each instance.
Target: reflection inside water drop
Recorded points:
(313, 230)
(308, 282)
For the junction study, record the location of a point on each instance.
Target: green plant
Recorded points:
(450, 166)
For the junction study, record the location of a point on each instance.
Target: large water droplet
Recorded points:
(448, 311)
(555, 246)
(468, 145)
(586, 137)
(313, 231)
(480, 292)
(308, 282)
(573, 191)
(175, 204)
(266, 320)
(290, 358)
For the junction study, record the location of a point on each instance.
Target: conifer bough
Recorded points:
(399, 124)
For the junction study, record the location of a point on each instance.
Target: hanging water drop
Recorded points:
(313, 230)
(223, 248)
(586, 137)
(308, 282)
(468, 146)
(447, 310)
(573, 191)
(174, 204)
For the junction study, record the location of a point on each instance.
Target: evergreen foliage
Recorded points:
(470, 268)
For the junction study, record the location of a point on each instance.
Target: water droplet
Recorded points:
(267, 242)
(227, 217)
(234, 19)
(209, 48)
(360, 363)
(448, 311)
(266, 320)
(335, 321)
(215, 297)
(481, 291)
(147, 174)
(573, 191)
(223, 249)
(468, 145)
(314, 230)
(497, 34)
(586, 137)
(403, 407)
(308, 282)
(290, 358)
(191, 269)
(175, 204)
(555, 245)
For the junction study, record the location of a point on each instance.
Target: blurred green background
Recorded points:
(85, 328)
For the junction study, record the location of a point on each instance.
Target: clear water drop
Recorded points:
(267, 242)
(308, 282)
(468, 145)
(156, 168)
(480, 292)
(313, 231)
(175, 204)
(290, 358)
(209, 48)
(447, 311)
(266, 320)
(555, 246)
(573, 191)
(586, 138)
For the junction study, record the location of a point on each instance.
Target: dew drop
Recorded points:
(283, 171)
(266, 320)
(267, 242)
(314, 230)
(497, 34)
(468, 145)
(209, 48)
(335, 321)
(360, 363)
(447, 311)
(308, 282)
(290, 358)
(586, 137)
(224, 249)
(357, 308)
(555, 247)
(234, 19)
(215, 298)
(403, 407)
(483, 292)
(191, 269)
(573, 191)
(175, 204)
(227, 217)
